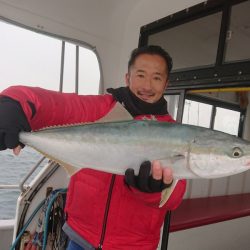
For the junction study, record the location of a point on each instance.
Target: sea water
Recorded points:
(13, 170)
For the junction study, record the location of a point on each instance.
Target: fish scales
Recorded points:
(192, 152)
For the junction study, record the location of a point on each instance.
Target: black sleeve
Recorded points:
(12, 121)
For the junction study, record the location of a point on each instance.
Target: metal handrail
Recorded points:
(7, 186)
(21, 185)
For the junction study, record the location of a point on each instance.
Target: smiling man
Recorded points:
(147, 77)
(105, 211)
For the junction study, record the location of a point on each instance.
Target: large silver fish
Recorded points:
(192, 152)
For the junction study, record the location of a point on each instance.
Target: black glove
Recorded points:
(144, 181)
(12, 121)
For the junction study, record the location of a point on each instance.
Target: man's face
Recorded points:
(147, 77)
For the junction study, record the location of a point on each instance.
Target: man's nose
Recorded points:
(147, 83)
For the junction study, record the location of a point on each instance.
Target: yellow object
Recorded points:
(232, 89)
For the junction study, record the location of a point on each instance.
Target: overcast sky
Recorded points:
(33, 59)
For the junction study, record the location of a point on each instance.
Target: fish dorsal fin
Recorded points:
(117, 113)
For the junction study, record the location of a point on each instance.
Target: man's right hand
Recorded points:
(12, 121)
(152, 177)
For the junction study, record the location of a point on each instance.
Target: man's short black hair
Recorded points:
(151, 50)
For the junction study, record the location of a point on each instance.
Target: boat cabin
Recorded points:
(84, 47)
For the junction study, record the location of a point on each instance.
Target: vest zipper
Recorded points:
(106, 213)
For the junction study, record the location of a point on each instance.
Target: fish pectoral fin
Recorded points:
(117, 114)
(172, 159)
(165, 193)
(177, 157)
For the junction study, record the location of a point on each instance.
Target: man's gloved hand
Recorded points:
(147, 182)
(12, 121)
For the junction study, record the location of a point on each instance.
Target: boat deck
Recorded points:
(203, 211)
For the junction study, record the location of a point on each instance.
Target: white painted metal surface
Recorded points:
(228, 235)
(112, 27)
(6, 233)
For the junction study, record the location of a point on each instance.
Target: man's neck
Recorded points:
(135, 105)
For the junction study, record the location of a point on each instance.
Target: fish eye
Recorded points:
(237, 152)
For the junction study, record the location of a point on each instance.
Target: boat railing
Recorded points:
(22, 185)
(8, 186)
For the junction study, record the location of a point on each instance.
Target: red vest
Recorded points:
(100, 207)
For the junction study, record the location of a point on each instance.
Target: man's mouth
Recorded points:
(145, 95)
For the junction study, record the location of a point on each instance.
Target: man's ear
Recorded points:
(166, 84)
(127, 76)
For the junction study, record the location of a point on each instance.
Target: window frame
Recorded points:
(64, 39)
(222, 73)
(219, 104)
(183, 95)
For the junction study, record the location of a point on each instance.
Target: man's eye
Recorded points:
(141, 76)
(157, 78)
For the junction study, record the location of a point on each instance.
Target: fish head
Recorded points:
(218, 155)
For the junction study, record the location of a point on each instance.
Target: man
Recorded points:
(105, 211)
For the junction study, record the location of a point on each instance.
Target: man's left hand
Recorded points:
(150, 179)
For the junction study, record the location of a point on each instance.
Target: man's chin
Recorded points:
(147, 99)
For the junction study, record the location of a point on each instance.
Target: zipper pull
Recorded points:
(99, 247)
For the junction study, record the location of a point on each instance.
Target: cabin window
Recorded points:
(238, 35)
(36, 59)
(89, 72)
(197, 113)
(209, 43)
(192, 44)
(69, 70)
(217, 115)
(173, 101)
(28, 58)
(227, 121)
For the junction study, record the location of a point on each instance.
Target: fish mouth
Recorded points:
(248, 164)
